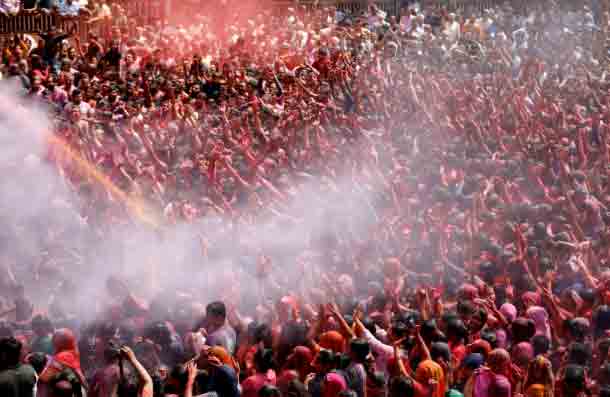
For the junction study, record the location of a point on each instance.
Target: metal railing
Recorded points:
(37, 21)
(352, 7)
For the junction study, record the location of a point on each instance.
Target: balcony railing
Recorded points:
(38, 21)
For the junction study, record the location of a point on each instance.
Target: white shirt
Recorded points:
(405, 23)
(453, 31)
(84, 107)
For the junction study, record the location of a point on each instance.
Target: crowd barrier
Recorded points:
(352, 7)
(148, 12)
(37, 21)
(393, 7)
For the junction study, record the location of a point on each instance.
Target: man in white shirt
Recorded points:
(452, 29)
(77, 101)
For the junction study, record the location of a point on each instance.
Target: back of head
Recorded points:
(10, 351)
(579, 354)
(401, 386)
(369, 324)
(295, 388)
(263, 360)
(263, 334)
(578, 328)
(541, 344)
(178, 377)
(159, 333)
(216, 309)
(360, 349)
(440, 351)
(38, 361)
(574, 378)
(456, 329)
(601, 320)
(6, 330)
(41, 324)
(269, 391)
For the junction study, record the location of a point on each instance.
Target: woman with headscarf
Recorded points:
(509, 311)
(429, 374)
(539, 380)
(66, 357)
(540, 317)
(522, 353)
(265, 375)
(479, 346)
(332, 340)
(530, 299)
(300, 361)
(429, 378)
(225, 358)
(493, 380)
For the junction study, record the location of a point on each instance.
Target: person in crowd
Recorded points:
(16, 379)
(364, 209)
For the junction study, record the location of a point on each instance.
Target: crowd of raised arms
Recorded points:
(380, 206)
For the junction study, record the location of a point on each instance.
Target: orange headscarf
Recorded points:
(223, 355)
(332, 340)
(536, 390)
(427, 370)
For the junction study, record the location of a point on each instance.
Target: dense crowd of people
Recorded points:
(454, 168)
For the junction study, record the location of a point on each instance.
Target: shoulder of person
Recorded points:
(27, 370)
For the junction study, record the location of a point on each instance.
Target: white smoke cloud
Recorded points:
(45, 233)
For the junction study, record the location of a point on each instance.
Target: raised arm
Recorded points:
(146, 383)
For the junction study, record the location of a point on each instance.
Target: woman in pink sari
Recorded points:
(493, 380)
(509, 311)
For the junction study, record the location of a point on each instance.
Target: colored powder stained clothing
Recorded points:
(19, 381)
(334, 383)
(222, 380)
(225, 337)
(540, 318)
(251, 386)
(356, 378)
(43, 344)
(105, 381)
(429, 370)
